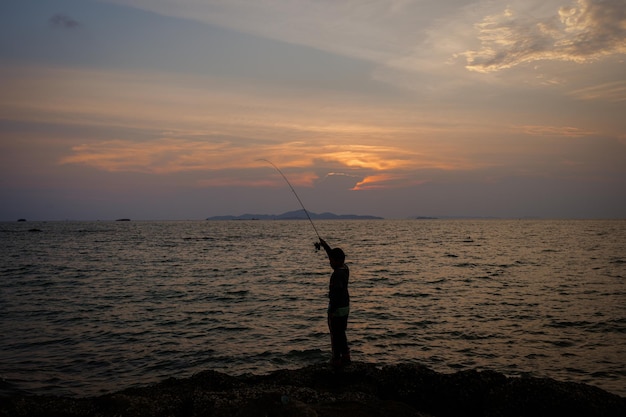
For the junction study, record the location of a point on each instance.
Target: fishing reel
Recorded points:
(318, 246)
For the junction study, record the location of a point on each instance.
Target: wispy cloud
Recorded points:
(613, 91)
(167, 155)
(234, 163)
(162, 156)
(63, 21)
(563, 131)
(418, 35)
(581, 32)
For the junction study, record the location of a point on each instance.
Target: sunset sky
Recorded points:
(161, 109)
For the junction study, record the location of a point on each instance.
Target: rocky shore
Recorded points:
(359, 390)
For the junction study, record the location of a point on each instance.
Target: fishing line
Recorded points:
(294, 193)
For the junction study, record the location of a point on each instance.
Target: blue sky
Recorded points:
(160, 109)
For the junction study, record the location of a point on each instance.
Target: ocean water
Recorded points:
(93, 307)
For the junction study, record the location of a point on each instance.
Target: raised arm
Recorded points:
(325, 246)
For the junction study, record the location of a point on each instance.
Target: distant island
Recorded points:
(296, 215)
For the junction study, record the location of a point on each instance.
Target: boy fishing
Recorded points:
(338, 306)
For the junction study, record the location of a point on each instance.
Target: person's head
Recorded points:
(337, 257)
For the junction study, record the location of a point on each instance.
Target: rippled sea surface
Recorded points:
(93, 307)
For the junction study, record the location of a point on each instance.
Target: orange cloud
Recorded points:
(223, 124)
(367, 156)
(380, 181)
(159, 156)
(167, 155)
(382, 166)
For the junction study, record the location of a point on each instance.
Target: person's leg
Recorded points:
(339, 341)
(342, 342)
(332, 327)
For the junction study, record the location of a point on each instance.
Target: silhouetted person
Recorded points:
(339, 305)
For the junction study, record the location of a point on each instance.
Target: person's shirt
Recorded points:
(338, 292)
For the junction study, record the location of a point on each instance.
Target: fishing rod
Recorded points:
(317, 245)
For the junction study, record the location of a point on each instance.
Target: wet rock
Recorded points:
(361, 389)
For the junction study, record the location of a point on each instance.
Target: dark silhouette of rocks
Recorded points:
(296, 215)
(358, 390)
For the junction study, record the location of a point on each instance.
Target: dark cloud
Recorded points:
(63, 21)
(582, 32)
